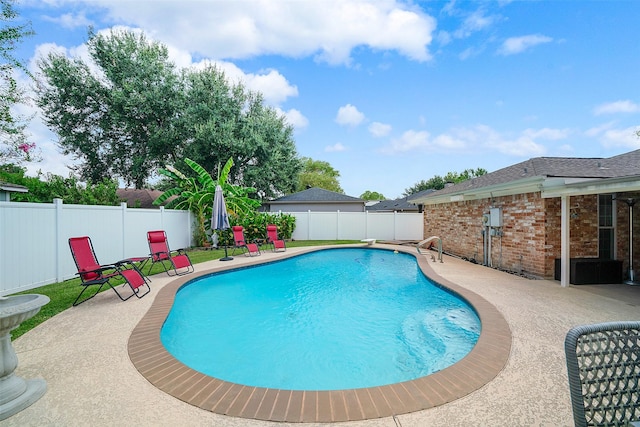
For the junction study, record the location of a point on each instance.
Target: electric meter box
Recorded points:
(486, 220)
(495, 219)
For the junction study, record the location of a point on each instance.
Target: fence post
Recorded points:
(338, 224)
(395, 219)
(59, 245)
(192, 221)
(123, 206)
(309, 224)
(366, 224)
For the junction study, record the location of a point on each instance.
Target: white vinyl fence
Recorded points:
(357, 225)
(34, 248)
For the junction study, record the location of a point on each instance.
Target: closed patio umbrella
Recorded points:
(219, 217)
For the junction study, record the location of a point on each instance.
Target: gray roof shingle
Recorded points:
(393, 205)
(627, 164)
(316, 194)
(419, 194)
(7, 186)
(140, 198)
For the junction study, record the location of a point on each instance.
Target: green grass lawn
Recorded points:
(63, 294)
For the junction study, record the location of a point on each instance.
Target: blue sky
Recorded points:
(392, 92)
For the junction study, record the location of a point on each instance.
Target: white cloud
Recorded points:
(625, 138)
(625, 106)
(470, 52)
(70, 21)
(295, 118)
(43, 50)
(444, 38)
(609, 136)
(566, 148)
(329, 29)
(474, 22)
(478, 139)
(409, 141)
(448, 142)
(274, 86)
(520, 147)
(524, 145)
(515, 45)
(349, 116)
(335, 148)
(547, 133)
(598, 130)
(378, 130)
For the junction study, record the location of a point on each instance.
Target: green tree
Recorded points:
(438, 182)
(120, 121)
(372, 195)
(196, 194)
(14, 145)
(318, 173)
(464, 175)
(231, 121)
(46, 187)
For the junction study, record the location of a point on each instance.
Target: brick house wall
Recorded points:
(530, 240)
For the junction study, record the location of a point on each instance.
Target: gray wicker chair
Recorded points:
(603, 363)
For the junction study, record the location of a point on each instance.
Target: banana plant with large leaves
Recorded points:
(196, 193)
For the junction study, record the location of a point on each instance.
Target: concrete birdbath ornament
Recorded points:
(15, 392)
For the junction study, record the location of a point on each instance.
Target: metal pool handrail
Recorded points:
(430, 240)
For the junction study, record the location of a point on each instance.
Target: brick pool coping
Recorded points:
(481, 365)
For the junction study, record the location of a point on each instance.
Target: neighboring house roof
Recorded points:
(392, 205)
(543, 174)
(139, 198)
(419, 195)
(6, 186)
(316, 195)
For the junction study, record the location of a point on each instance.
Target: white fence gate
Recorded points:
(34, 248)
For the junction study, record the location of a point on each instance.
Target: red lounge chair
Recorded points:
(160, 252)
(272, 238)
(240, 243)
(92, 273)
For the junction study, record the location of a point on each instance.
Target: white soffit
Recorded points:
(592, 186)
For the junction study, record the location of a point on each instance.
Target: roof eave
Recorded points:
(14, 188)
(594, 186)
(297, 202)
(526, 185)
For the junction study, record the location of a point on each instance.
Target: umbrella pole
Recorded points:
(226, 256)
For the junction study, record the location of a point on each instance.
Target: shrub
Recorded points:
(255, 226)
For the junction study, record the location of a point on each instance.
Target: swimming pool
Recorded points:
(329, 320)
(151, 359)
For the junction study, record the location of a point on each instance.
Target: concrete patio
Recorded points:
(82, 354)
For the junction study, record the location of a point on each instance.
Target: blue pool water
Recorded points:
(328, 320)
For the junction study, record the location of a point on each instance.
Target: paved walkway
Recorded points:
(82, 354)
